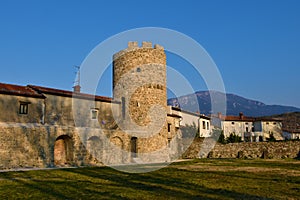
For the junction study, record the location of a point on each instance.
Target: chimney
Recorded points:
(241, 115)
(219, 115)
(77, 88)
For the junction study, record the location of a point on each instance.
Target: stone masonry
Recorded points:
(140, 84)
(268, 150)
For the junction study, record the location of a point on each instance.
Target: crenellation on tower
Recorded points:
(133, 44)
(146, 44)
(157, 46)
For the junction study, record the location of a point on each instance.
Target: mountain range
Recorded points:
(235, 104)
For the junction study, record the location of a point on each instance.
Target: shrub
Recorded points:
(233, 138)
(271, 138)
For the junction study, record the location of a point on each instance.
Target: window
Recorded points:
(247, 129)
(274, 123)
(246, 123)
(203, 125)
(94, 113)
(23, 108)
(123, 107)
(232, 123)
(169, 127)
(138, 69)
(267, 123)
(207, 125)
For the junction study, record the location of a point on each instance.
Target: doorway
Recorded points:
(63, 151)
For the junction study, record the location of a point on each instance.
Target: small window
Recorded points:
(123, 107)
(267, 123)
(232, 123)
(94, 113)
(169, 128)
(138, 69)
(207, 125)
(274, 123)
(247, 129)
(203, 125)
(23, 108)
(246, 123)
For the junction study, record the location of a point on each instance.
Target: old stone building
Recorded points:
(45, 127)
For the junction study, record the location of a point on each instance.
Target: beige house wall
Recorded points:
(189, 119)
(10, 109)
(236, 127)
(205, 127)
(268, 127)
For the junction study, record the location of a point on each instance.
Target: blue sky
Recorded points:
(255, 44)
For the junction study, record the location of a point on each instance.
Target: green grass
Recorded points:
(195, 179)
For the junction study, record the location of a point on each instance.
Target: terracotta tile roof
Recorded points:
(242, 117)
(268, 119)
(174, 115)
(238, 118)
(191, 113)
(67, 93)
(19, 90)
(175, 108)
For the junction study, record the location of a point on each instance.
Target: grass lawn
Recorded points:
(195, 179)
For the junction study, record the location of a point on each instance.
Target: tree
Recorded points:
(233, 138)
(222, 138)
(271, 138)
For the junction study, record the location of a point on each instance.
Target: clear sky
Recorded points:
(255, 44)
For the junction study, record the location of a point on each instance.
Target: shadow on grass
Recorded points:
(167, 183)
(107, 183)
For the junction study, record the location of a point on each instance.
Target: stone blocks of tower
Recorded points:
(139, 81)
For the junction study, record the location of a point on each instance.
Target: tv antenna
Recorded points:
(77, 80)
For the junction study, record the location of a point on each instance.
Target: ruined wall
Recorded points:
(284, 149)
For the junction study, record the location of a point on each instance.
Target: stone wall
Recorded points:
(35, 145)
(282, 149)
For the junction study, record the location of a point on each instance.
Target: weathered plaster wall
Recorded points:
(10, 105)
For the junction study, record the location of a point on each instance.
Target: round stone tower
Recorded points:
(139, 81)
